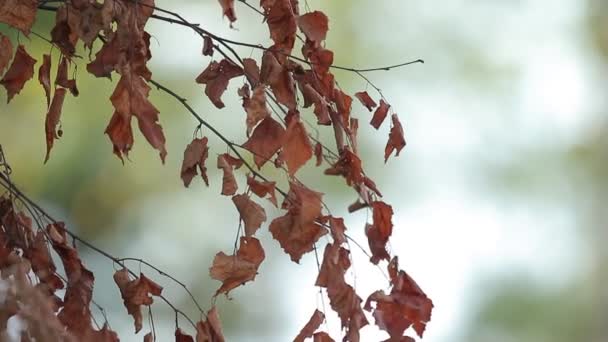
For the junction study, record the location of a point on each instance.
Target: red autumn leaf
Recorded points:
(309, 329)
(314, 25)
(281, 19)
(52, 120)
(207, 46)
(180, 336)
(366, 100)
(106, 59)
(216, 78)
(20, 71)
(60, 36)
(75, 315)
(406, 305)
(44, 77)
(319, 154)
(6, 52)
(42, 263)
(261, 189)
(62, 77)
(195, 155)
(228, 9)
(311, 96)
(252, 71)
(135, 293)
(380, 114)
(210, 330)
(342, 297)
(348, 166)
(297, 231)
(379, 232)
(322, 337)
(226, 162)
(149, 337)
(396, 140)
(130, 98)
(256, 107)
(19, 14)
(235, 270)
(252, 214)
(297, 149)
(265, 141)
(279, 79)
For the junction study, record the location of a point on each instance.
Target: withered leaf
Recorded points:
(180, 336)
(406, 305)
(252, 71)
(281, 19)
(297, 231)
(228, 9)
(44, 77)
(62, 77)
(265, 141)
(314, 25)
(235, 270)
(309, 329)
(60, 36)
(379, 232)
(226, 162)
(210, 330)
(366, 100)
(216, 78)
(297, 149)
(6, 52)
(322, 337)
(19, 14)
(52, 120)
(318, 154)
(252, 214)
(396, 140)
(20, 71)
(262, 189)
(195, 155)
(130, 98)
(279, 79)
(207, 46)
(76, 314)
(135, 293)
(348, 166)
(256, 107)
(380, 114)
(106, 59)
(42, 263)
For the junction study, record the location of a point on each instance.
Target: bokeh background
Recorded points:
(499, 196)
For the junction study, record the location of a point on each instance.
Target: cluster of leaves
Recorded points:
(276, 135)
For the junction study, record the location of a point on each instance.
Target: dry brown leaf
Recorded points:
(20, 71)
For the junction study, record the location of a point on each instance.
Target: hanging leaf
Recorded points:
(261, 189)
(396, 140)
(314, 25)
(265, 141)
(6, 52)
(195, 155)
(20, 14)
(380, 114)
(210, 330)
(20, 71)
(309, 329)
(297, 149)
(366, 100)
(235, 270)
(227, 163)
(52, 120)
(216, 77)
(252, 214)
(135, 293)
(44, 77)
(228, 9)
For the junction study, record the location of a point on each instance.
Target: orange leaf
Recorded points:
(279, 79)
(19, 14)
(396, 140)
(380, 114)
(314, 25)
(261, 189)
(379, 232)
(235, 270)
(366, 100)
(52, 120)
(135, 293)
(265, 141)
(297, 149)
(252, 214)
(195, 155)
(20, 71)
